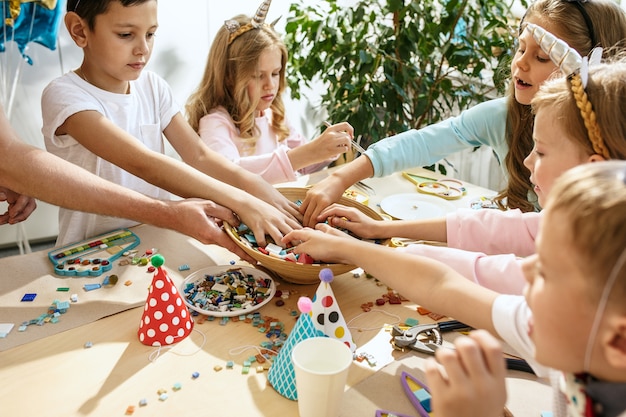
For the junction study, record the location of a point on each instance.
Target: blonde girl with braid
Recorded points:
(503, 124)
(238, 108)
(574, 124)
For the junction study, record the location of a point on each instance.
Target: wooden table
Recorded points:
(57, 376)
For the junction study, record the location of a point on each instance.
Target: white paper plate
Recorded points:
(413, 206)
(199, 276)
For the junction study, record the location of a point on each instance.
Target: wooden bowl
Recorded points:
(298, 273)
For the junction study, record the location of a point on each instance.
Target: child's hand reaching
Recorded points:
(319, 245)
(468, 381)
(353, 220)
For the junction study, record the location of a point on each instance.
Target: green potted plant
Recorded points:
(387, 66)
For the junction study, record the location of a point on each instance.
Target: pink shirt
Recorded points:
(486, 245)
(269, 159)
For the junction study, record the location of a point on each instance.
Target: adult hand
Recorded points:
(351, 219)
(202, 220)
(468, 381)
(289, 210)
(263, 219)
(20, 206)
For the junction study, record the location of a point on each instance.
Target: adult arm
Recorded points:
(27, 170)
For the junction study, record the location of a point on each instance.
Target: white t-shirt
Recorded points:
(510, 315)
(144, 113)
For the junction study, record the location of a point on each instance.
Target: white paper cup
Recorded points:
(321, 365)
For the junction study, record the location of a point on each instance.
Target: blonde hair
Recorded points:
(606, 91)
(609, 25)
(228, 70)
(592, 199)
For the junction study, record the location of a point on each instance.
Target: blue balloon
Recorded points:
(35, 23)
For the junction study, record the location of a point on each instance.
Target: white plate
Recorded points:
(415, 206)
(199, 276)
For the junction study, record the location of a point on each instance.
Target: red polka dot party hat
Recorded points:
(166, 319)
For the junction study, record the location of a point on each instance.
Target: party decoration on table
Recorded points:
(92, 257)
(281, 375)
(165, 318)
(325, 312)
(225, 291)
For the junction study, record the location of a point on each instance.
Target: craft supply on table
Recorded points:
(298, 269)
(93, 256)
(357, 196)
(227, 291)
(446, 188)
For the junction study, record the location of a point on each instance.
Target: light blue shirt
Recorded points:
(481, 125)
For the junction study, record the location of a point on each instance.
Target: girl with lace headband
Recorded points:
(578, 118)
(503, 124)
(238, 108)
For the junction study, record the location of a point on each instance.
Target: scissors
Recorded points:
(446, 188)
(426, 338)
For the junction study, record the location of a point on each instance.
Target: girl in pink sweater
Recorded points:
(238, 109)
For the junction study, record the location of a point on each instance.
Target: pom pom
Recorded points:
(157, 260)
(326, 275)
(305, 304)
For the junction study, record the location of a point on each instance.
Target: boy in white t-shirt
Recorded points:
(109, 117)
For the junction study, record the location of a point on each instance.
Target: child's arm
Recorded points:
(428, 283)
(103, 138)
(364, 226)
